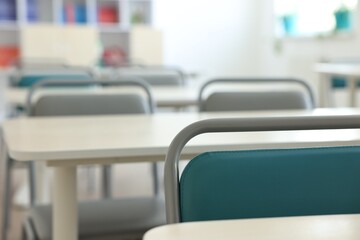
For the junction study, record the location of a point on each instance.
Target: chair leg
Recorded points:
(155, 176)
(6, 198)
(107, 181)
(32, 183)
(27, 231)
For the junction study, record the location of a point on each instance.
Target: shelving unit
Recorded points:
(113, 19)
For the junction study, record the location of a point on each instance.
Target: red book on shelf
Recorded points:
(107, 14)
(8, 55)
(70, 13)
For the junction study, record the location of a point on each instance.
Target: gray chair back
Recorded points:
(90, 104)
(155, 75)
(256, 100)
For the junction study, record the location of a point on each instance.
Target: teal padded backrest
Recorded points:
(340, 82)
(271, 183)
(29, 80)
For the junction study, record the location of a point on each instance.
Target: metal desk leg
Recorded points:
(352, 91)
(326, 100)
(41, 183)
(65, 215)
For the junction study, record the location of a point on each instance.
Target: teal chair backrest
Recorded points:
(340, 82)
(271, 183)
(29, 80)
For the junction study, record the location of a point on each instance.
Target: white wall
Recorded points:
(236, 37)
(216, 38)
(298, 56)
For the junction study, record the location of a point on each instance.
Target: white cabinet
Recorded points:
(113, 19)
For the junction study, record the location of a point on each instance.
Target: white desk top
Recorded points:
(347, 69)
(333, 227)
(146, 138)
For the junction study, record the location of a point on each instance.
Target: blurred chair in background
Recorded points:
(108, 217)
(236, 99)
(154, 75)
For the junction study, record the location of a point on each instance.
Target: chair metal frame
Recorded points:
(171, 172)
(302, 83)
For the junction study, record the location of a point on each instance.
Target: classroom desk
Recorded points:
(66, 142)
(350, 71)
(331, 227)
(164, 96)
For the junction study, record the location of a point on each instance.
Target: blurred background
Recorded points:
(204, 38)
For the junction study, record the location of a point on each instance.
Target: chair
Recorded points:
(106, 218)
(263, 183)
(155, 75)
(338, 82)
(231, 100)
(27, 77)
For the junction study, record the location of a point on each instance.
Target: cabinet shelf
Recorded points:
(9, 26)
(112, 29)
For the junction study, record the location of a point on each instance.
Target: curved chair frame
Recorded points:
(306, 86)
(171, 176)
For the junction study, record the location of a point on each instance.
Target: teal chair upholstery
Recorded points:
(27, 76)
(271, 183)
(340, 82)
(263, 183)
(29, 80)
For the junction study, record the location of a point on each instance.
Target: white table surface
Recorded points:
(331, 227)
(61, 140)
(65, 142)
(351, 72)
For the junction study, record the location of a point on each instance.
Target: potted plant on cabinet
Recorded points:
(343, 18)
(289, 23)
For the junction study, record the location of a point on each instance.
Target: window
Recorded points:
(311, 18)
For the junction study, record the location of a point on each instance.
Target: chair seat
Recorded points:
(106, 219)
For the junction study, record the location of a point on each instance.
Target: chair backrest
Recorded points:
(90, 103)
(263, 183)
(156, 75)
(29, 76)
(256, 100)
